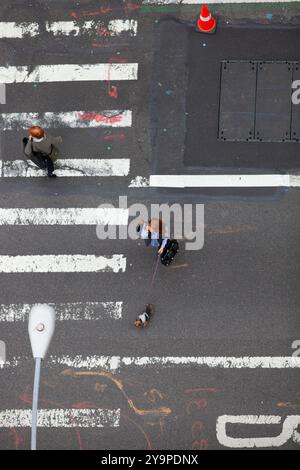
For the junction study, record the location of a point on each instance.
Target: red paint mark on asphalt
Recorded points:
(131, 7)
(83, 404)
(202, 403)
(100, 118)
(139, 427)
(17, 438)
(97, 44)
(202, 444)
(112, 137)
(121, 60)
(112, 91)
(102, 11)
(197, 429)
(103, 31)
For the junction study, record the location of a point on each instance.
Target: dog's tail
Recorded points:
(149, 309)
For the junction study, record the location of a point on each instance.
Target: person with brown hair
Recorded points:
(154, 233)
(42, 149)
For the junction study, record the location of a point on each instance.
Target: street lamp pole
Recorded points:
(40, 328)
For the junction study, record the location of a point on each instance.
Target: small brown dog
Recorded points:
(143, 319)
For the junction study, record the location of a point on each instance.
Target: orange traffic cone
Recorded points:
(206, 23)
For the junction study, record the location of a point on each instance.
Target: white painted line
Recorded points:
(2, 93)
(246, 362)
(62, 264)
(68, 73)
(72, 119)
(10, 29)
(65, 311)
(111, 363)
(224, 181)
(200, 2)
(68, 167)
(139, 182)
(113, 28)
(288, 430)
(68, 216)
(115, 362)
(61, 418)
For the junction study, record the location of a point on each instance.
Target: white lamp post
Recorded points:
(41, 328)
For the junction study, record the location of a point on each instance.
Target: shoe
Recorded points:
(52, 175)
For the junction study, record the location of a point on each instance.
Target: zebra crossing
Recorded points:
(92, 310)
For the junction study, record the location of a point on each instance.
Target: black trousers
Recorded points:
(42, 160)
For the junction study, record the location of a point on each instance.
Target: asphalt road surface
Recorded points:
(218, 365)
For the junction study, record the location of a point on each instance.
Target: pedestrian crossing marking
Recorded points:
(68, 167)
(64, 216)
(62, 264)
(13, 30)
(71, 119)
(68, 73)
(225, 181)
(117, 363)
(61, 418)
(69, 311)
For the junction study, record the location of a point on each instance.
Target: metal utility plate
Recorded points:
(255, 101)
(237, 101)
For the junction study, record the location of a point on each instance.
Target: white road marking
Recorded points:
(62, 264)
(289, 430)
(225, 181)
(61, 418)
(2, 93)
(65, 311)
(139, 182)
(68, 73)
(113, 27)
(247, 362)
(213, 362)
(10, 29)
(68, 167)
(197, 2)
(110, 363)
(65, 216)
(72, 119)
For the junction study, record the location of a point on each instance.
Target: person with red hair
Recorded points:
(42, 149)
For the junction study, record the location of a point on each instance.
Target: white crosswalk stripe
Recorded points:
(68, 167)
(74, 311)
(68, 73)
(115, 27)
(62, 264)
(65, 216)
(71, 119)
(225, 181)
(116, 363)
(200, 2)
(61, 418)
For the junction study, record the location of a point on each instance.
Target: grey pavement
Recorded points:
(237, 296)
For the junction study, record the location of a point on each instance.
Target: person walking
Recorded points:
(42, 149)
(154, 233)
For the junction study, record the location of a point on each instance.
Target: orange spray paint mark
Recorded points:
(100, 118)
